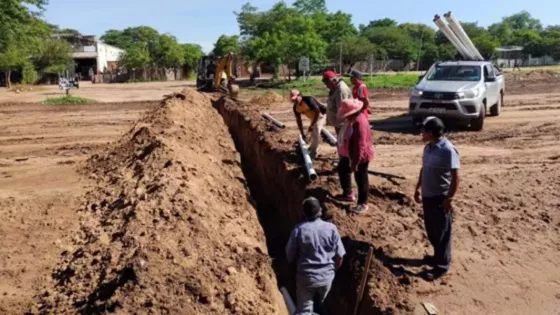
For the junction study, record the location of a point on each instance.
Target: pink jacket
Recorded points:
(355, 141)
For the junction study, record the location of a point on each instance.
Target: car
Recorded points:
(460, 92)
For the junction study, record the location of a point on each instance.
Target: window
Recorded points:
(454, 73)
(490, 71)
(497, 71)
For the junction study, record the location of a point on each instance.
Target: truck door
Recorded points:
(492, 89)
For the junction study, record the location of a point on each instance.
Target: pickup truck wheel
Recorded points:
(496, 110)
(478, 123)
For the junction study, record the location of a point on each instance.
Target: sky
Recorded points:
(203, 21)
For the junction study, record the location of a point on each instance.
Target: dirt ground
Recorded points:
(506, 221)
(125, 92)
(506, 229)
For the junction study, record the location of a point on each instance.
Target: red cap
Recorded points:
(329, 75)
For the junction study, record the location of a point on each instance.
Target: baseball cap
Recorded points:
(294, 94)
(356, 74)
(329, 75)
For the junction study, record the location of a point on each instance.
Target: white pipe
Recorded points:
(453, 38)
(288, 299)
(274, 121)
(307, 160)
(462, 35)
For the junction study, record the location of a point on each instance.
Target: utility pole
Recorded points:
(420, 51)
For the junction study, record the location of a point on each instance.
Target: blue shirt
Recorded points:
(438, 161)
(312, 246)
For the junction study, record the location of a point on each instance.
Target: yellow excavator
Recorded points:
(218, 74)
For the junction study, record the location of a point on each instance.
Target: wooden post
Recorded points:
(363, 281)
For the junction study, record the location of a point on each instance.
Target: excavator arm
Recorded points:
(225, 75)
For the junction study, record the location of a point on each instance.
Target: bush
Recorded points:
(29, 75)
(68, 100)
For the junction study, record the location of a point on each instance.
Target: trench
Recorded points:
(278, 193)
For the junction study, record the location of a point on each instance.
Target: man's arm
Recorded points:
(454, 183)
(417, 196)
(299, 123)
(339, 251)
(454, 164)
(314, 121)
(338, 262)
(292, 247)
(364, 97)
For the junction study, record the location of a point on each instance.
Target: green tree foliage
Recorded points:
(53, 56)
(29, 75)
(523, 21)
(309, 7)
(225, 45)
(136, 56)
(168, 53)
(191, 55)
(354, 49)
(378, 23)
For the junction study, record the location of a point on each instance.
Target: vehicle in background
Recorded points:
(217, 74)
(459, 91)
(463, 92)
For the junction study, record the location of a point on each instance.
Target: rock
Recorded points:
(231, 271)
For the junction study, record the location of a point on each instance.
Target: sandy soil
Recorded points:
(507, 224)
(125, 92)
(39, 187)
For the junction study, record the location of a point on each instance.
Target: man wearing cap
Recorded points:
(360, 90)
(338, 91)
(316, 249)
(311, 108)
(437, 184)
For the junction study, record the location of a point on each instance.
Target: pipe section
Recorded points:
(307, 160)
(453, 38)
(289, 301)
(329, 138)
(274, 121)
(462, 35)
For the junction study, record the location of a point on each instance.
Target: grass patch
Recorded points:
(67, 100)
(314, 86)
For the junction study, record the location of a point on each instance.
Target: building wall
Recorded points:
(107, 54)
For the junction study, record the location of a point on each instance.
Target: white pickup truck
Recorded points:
(459, 92)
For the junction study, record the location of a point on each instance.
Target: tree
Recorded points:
(20, 22)
(136, 57)
(354, 49)
(53, 56)
(225, 45)
(168, 53)
(523, 21)
(333, 27)
(502, 32)
(486, 45)
(191, 55)
(386, 22)
(398, 44)
(309, 7)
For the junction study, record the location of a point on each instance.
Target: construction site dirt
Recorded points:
(108, 208)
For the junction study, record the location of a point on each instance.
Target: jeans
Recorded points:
(361, 177)
(310, 298)
(438, 227)
(316, 136)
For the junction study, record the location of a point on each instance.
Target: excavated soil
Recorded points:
(167, 226)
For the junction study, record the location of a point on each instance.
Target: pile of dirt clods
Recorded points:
(167, 227)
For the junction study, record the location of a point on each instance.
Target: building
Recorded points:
(511, 56)
(91, 55)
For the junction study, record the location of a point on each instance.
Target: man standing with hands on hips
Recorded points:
(437, 184)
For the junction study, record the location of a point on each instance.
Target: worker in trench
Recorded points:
(316, 250)
(315, 111)
(356, 151)
(437, 184)
(338, 91)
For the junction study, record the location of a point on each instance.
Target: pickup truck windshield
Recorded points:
(455, 73)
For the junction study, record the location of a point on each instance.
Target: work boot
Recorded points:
(433, 274)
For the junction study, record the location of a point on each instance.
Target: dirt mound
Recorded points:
(268, 98)
(167, 228)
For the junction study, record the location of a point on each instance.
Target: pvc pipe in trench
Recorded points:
(329, 138)
(274, 121)
(289, 301)
(307, 160)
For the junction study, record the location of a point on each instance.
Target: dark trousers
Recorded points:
(438, 226)
(361, 177)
